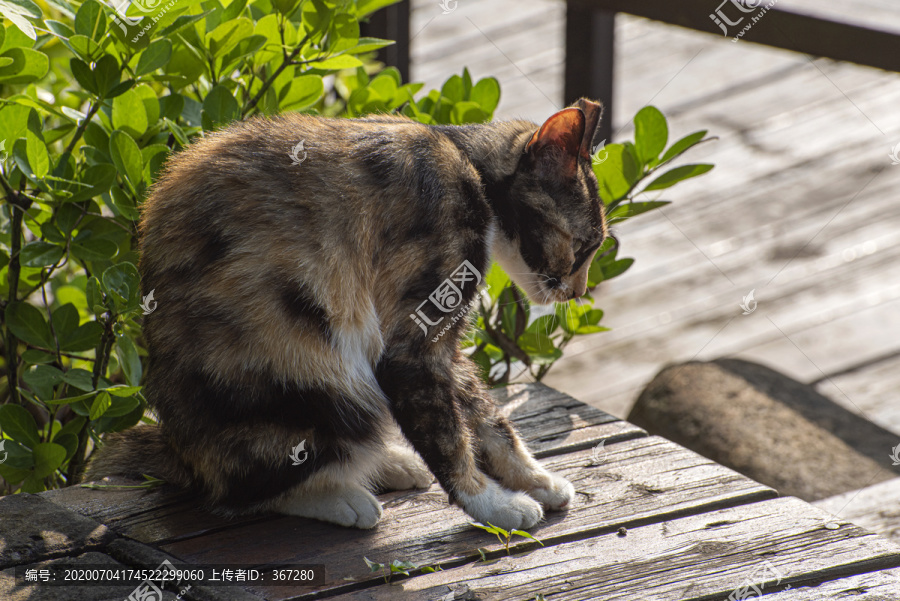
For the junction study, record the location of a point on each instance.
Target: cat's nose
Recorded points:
(577, 292)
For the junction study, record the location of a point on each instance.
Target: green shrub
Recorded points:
(94, 102)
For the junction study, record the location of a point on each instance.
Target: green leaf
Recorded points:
(69, 442)
(544, 325)
(51, 233)
(94, 249)
(17, 423)
(335, 63)
(84, 338)
(73, 427)
(316, 16)
(107, 74)
(42, 379)
(651, 133)
(124, 279)
(80, 379)
(93, 294)
(28, 324)
(17, 11)
(48, 456)
(125, 152)
(150, 101)
(367, 7)
(468, 112)
(122, 391)
(219, 108)
(616, 268)
(20, 458)
(495, 282)
(64, 320)
(678, 174)
(154, 57)
(97, 180)
(34, 356)
(85, 47)
(526, 535)
(487, 94)
(227, 35)
(74, 401)
(101, 403)
(176, 131)
(90, 20)
(28, 65)
(285, 7)
(373, 566)
(40, 254)
(630, 209)
(129, 115)
(369, 45)
(122, 406)
(682, 145)
(616, 174)
(36, 151)
(343, 33)
(247, 46)
(129, 360)
(303, 92)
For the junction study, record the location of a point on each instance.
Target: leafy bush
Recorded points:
(93, 103)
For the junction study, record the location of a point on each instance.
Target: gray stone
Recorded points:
(766, 426)
(33, 529)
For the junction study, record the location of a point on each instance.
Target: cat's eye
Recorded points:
(577, 246)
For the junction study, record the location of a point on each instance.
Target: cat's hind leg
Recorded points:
(401, 467)
(339, 492)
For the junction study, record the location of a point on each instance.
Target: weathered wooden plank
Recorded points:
(152, 516)
(872, 386)
(873, 586)
(553, 423)
(773, 544)
(876, 507)
(633, 482)
(550, 422)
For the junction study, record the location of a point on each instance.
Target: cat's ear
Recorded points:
(593, 112)
(555, 146)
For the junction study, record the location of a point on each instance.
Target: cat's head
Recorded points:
(551, 218)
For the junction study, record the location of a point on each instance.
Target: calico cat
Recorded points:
(288, 365)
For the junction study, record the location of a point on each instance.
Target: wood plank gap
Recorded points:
(525, 547)
(582, 446)
(821, 576)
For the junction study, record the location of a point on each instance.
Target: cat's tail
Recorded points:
(136, 452)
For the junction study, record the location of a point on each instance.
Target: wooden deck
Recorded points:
(802, 206)
(650, 521)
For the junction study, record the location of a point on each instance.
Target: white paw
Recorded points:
(501, 507)
(403, 469)
(352, 507)
(557, 495)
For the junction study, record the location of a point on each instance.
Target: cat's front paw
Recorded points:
(352, 507)
(555, 493)
(501, 507)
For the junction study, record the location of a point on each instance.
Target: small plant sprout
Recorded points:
(397, 567)
(502, 535)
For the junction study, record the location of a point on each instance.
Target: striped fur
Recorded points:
(284, 300)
